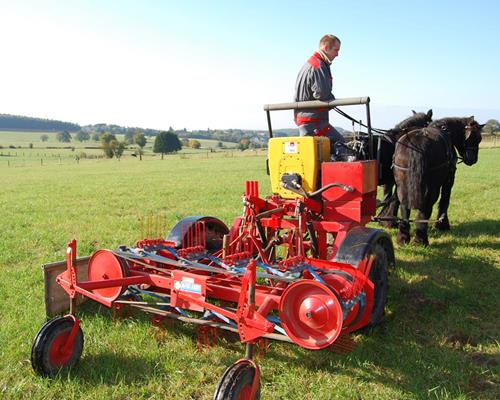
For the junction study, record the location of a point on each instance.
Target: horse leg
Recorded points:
(404, 226)
(389, 210)
(393, 211)
(421, 237)
(443, 224)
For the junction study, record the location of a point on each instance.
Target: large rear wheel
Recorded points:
(379, 276)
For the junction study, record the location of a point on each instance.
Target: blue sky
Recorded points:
(214, 64)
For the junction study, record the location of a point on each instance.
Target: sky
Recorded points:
(214, 64)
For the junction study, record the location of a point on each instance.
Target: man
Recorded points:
(314, 82)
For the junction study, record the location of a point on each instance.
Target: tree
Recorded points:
(63, 136)
(194, 144)
(109, 143)
(492, 127)
(140, 140)
(96, 136)
(82, 136)
(44, 137)
(130, 135)
(244, 144)
(118, 148)
(166, 142)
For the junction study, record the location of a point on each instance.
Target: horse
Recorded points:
(443, 223)
(386, 153)
(424, 165)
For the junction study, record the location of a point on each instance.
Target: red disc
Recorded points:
(57, 354)
(105, 265)
(311, 314)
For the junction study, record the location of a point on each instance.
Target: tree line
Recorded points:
(18, 123)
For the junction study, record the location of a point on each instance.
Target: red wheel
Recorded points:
(105, 265)
(311, 314)
(236, 383)
(49, 353)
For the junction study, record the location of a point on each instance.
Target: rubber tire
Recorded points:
(234, 379)
(379, 276)
(40, 360)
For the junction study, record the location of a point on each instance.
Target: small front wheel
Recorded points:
(236, 383)
(51, 351)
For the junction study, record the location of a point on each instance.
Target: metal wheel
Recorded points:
(105, 265)
(311, 314)
(379, 276)
(187, 231)
(49, 353)
(236, 383)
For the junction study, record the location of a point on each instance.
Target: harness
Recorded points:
(450, 155)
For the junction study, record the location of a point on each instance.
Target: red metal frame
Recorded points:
(198, 286)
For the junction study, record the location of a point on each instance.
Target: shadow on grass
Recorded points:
(439, 326)
(433, 342)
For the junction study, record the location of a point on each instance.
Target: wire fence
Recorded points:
(19, 158)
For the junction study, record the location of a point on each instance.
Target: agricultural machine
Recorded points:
(298, 266)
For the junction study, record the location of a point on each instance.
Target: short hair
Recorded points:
(330, 40)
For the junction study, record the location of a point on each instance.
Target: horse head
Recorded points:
(417, 120)
(472, 138)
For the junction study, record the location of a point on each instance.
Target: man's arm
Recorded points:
(322, 85)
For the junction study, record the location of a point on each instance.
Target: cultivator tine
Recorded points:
(262, 347)
(345, 344)
(160, 326)
(206, 336)
(121, 311)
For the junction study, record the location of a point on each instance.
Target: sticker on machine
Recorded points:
(291, 147)
(187, 285)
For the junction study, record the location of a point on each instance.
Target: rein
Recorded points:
(449, 156)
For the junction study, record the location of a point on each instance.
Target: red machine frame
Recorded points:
(302, 270)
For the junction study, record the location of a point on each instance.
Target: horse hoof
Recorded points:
(420, 242)
(402, 239)
(442, 225)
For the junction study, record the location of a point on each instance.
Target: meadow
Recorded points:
(439, 339)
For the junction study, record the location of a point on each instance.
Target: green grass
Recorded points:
(439, 339)
(26, 149)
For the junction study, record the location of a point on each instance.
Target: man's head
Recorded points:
(330, 45)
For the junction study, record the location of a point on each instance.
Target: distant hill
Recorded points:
(117, 129)
(20, 123)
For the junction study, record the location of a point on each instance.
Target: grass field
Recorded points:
(21, 149)
(440, 338)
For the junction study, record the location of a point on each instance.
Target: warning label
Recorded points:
(291, 147)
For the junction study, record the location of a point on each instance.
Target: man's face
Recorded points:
(333, 51)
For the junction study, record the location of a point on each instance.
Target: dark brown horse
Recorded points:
(386, 153)
(424, 165)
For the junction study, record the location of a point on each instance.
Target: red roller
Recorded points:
(311, 314)
(105, 265)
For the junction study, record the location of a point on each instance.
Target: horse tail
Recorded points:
(415, 179)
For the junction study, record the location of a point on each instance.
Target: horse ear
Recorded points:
(481, 126)
(471, 119)
(429, 114)
(414, 112)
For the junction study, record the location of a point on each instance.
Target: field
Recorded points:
(26, 149)
(439, 340)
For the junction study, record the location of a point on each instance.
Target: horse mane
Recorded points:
(417, 120)
(449, 121)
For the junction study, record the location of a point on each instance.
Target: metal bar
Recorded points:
(269, 124)
(317, 104)
(369, 125)
(198, 321)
